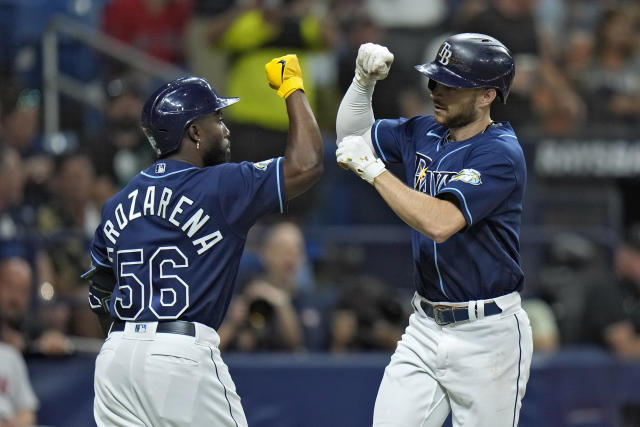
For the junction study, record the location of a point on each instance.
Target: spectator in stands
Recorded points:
(66, 225)
(572, 266)
(16, 217)
(18, 402)
(209, 22)
(546, 336)
(19, 325)
(261, 318)
(279, 309)
(595, 307)
(120, 150)
(407, 27)
(256, 34)
(539, 89)
(357, 27)
(367, 317)
(243, 36)
(610, 82)
(20, 108)
(20, 129)
(612, 312)
(156, 27)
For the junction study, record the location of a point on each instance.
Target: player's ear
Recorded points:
(194, 132)
(487, 96)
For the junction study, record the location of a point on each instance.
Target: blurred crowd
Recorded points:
(577, 73)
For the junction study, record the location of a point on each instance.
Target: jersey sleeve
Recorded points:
(389, 138)
(486, 182)
(251, 190)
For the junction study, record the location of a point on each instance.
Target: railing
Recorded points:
(92, 94)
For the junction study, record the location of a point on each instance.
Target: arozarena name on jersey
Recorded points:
(194, 220)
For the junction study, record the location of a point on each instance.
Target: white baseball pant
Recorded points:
(144, 378)
(478, 370)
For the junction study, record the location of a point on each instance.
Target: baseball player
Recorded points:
(467, 348)
(165, 255)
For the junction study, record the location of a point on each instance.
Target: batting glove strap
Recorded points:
(289, 86)
(284, 75)
(370, 171)
(353, 153)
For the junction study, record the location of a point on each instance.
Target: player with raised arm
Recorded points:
(165, 256)
(467, 349)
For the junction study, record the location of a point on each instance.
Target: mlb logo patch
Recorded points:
(141, 329)
(161, 167)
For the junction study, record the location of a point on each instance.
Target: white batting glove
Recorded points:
(354, 153)
(372, 64)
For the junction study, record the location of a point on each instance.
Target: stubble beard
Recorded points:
(217, 156)
(466, 116)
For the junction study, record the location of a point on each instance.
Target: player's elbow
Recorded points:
(448, 221)
(440, 236)
(441, 232)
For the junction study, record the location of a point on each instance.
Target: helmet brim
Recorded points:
(225, 102)
(444, 76)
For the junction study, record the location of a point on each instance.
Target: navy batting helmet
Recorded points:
(171, 108)
(471, 60)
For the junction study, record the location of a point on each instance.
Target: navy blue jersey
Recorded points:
(175, 234)
(487, 175)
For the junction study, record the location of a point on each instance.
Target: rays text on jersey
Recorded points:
(159, 206)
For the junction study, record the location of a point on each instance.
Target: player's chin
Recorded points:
(440, 116)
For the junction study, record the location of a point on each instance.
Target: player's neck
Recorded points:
(182, 157)
(468, 131)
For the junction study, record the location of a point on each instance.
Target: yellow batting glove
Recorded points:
(284, 74)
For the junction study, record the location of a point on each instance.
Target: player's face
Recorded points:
(215, 145)
(454, 107)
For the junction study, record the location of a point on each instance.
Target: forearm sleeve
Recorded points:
(355, 115)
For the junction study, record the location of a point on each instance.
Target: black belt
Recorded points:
(180, 327)
(447, 314)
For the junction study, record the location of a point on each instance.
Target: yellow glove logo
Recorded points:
(284, 75)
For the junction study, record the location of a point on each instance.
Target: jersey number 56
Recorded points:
(152, 284)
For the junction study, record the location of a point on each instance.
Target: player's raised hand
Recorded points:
(354, 153)
(373, 63)
(284, 75)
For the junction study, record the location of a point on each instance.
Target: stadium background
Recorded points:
(70, 63)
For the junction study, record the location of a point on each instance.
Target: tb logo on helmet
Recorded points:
(480, 61)
(445, 53)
